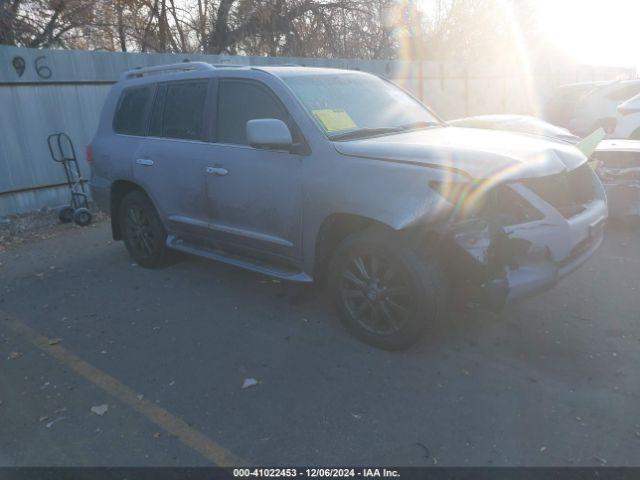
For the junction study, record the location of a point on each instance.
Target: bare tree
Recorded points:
(41, 23)
(473, 30)
(450, 29)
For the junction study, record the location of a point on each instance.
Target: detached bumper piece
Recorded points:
(517, 260)
(620, 175)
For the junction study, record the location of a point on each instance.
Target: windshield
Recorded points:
(346, 103)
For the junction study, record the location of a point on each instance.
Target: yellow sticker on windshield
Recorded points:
(334, 119)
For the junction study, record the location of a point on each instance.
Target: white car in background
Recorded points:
(599, 109)
(628, 126)
(561, 102)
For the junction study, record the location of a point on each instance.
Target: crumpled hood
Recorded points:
(477, 153)
(517, 124)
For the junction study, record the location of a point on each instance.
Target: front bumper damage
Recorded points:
(510, 262)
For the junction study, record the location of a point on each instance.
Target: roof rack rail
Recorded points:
(229, 65)
(173, 67)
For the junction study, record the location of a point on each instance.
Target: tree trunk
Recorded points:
(122, 38)
(218, 42)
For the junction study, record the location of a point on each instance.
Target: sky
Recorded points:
(602, 32)
(598, 32)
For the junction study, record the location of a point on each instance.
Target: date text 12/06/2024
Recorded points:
(316, 472)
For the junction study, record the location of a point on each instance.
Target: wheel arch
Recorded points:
(119, 189)
(335, 227)
(333, 230)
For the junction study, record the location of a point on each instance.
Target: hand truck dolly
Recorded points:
(62, 151)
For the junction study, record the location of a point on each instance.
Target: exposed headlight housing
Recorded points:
(476, 199)
(469, 199)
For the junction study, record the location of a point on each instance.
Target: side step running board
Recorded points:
(238, 261)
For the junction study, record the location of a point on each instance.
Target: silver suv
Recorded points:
(339, 178)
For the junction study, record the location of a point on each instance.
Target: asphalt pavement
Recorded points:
(551, 381)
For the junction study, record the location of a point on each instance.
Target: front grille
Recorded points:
(512, 209)
(567, 192)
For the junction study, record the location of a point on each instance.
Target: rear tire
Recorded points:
(384, 292)
(142, 231)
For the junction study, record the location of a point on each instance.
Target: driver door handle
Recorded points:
(217, 171)
(144, 161)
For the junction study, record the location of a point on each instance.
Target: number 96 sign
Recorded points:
(42, 70)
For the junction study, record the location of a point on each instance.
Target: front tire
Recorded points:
(385, 293)
(142, 231)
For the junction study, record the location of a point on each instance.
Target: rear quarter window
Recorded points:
(130, 113)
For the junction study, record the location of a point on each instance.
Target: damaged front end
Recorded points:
(516, 238)
(619, 171)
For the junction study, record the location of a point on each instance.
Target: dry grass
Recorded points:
(16, 230)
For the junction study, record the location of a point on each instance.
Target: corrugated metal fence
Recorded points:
(47, 91)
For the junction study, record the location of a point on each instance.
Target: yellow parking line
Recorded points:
(165, 420)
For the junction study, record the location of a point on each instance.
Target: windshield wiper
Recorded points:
(364, 132)
(418, 125)
(370, 132)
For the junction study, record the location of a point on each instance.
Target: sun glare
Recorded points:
(593, 31)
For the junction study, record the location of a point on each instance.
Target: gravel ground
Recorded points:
(16, 230)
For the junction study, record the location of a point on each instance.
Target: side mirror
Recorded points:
(269, 133)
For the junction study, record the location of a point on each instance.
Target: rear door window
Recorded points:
(155, 122)
(183, 112)
(240, 101)
(131, 112)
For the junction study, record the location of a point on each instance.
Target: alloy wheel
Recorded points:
(139, 230)
(377, 293)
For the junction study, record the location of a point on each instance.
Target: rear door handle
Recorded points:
(217, 171)
(144, 161)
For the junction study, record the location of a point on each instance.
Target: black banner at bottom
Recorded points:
(320, 473)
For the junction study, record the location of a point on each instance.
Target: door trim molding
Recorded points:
(240, 232)
(188, 221)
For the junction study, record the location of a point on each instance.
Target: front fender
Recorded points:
(394, 194)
